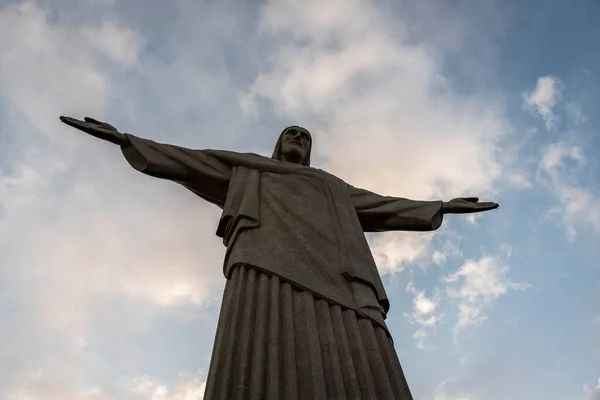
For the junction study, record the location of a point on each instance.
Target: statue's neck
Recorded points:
(291, 158)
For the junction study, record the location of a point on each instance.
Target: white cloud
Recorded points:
(438, 257)
(472, 218)
(449, 249)
(117, 42)
(476, 284)
(43, 62)
(50, 386)
(447, 391)
(424, 315)
(543, 98)
(575, 112)
(592, 393)
(189, 387)
(507, 249)
(556, 154)
(150, 389)
(393, 252)
(518, 180)
(579, 206)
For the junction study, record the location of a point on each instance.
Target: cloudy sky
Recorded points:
(110, 280)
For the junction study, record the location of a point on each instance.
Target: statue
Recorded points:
(303, 312)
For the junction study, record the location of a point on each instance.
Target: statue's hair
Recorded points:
(277, 152)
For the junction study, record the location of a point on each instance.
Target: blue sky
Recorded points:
(110, 281)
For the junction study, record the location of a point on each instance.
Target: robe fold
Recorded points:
(302, 227)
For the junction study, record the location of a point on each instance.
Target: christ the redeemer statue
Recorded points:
(304, 308)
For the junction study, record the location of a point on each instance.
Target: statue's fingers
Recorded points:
(92, 120)
(68, 119)
(471, 199)
(75, 123)
(108, 126)
(104, 125)
(487, 206)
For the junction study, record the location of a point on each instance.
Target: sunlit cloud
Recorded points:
(475, 284)
(543, 98)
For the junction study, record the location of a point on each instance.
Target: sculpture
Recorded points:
(303, 311)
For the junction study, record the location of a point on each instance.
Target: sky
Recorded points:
(111, 281)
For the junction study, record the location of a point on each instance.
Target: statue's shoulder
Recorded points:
(328, 175)
(238, 156)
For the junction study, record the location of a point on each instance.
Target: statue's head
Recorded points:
(294, 145)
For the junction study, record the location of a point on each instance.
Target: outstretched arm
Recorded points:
(197, 170)
(378, 213)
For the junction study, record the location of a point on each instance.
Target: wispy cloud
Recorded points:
(188, 387)
(447, 390)
(579, 206)
(575, 112)
(424, 315)
(543, 98)
(393, 252)
(592, 393)
(475, 285)
(116, 42)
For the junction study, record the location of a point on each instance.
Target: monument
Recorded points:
(303, 312)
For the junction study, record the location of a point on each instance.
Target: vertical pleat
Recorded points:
(301, 347)
(393, 367)
(288, 346)
(274, 343)
(277, 342)
(346, 360)
(334, 380)
(243, 344)
(310, 364)
(359, 355)
(260, 335)
(381, 378)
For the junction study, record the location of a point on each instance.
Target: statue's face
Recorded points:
(295, 144)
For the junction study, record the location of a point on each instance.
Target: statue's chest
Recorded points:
(300, 192)
(298, 201)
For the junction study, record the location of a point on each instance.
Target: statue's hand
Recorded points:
(465, 205)
(101, 130)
